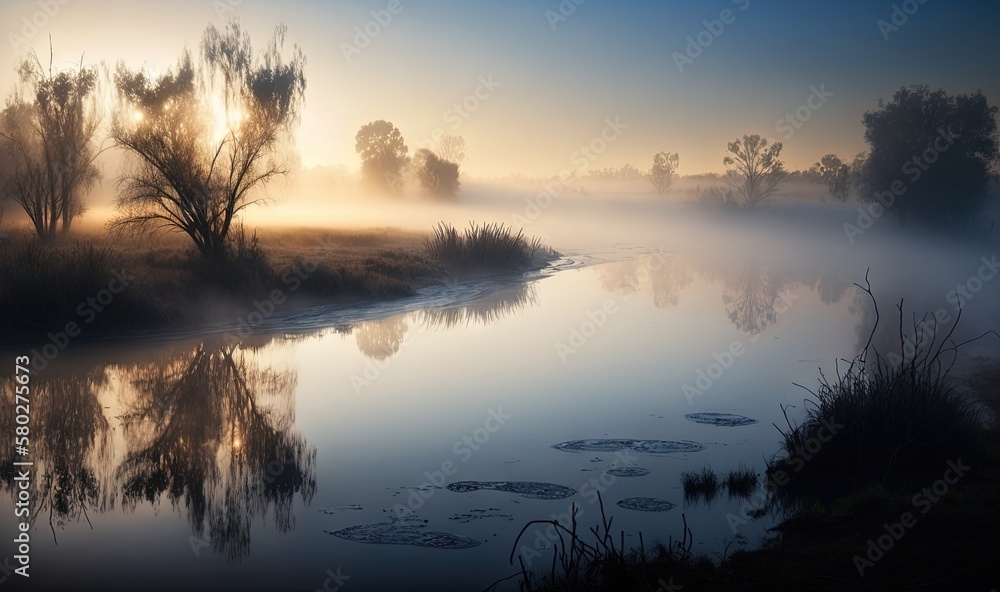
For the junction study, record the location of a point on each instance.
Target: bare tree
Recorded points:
(48, 131)
(755, 171)
(185, 175)
(452, 148)
(664, 170)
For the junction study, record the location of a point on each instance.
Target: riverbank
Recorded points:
(96, 286)
(932, 528)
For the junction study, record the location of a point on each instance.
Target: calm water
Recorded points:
(186, 463)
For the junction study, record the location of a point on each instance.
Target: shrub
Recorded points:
(896, 425)
(487, 247)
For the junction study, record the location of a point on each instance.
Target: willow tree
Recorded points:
(755, 169)
(205, 139)
(48, 133)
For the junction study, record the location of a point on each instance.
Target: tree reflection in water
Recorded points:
(751, 295)
(208, 427)
(212, 429)
(504, 303)
(380, 339)
(70, 444)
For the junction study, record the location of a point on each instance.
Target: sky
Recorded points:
(552, 77)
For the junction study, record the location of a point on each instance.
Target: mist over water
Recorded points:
(396, 405)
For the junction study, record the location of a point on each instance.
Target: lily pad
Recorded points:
(644, 446)
(728, 420)
(628, 472)
(646, 504)
(531, 489)
(388, 533)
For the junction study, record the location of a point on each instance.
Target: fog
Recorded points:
(392, 292)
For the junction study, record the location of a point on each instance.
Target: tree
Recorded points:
(452, 148)
(857, 169)
(664, 170)
(755, 170)
(938, 148)
(835, 174)
(383, 155)
(186, 176)
(438, 177)
(629, 173)
(48, 131)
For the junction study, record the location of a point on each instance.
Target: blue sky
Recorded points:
(557, 87)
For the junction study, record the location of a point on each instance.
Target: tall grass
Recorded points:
(243, 268)
(893, 425)
(602, 561)
(697, 485)
(43, 287)
(489, 247)
(741, 481)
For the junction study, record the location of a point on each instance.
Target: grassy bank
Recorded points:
(103, 285)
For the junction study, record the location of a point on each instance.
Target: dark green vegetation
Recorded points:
(484, 248)
(930, 155)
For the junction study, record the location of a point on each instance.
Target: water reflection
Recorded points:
(620, 277)
(499, 305)
(753, 292)
(208, 427)
(752, 296)
(212, 429)
(70, 444)
(667, 275)
(380, 339)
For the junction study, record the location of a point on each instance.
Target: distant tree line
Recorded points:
(931, 156)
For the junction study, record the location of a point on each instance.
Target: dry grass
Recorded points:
(490, 247)
(174, 286)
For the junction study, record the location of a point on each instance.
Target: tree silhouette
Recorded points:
(939, 147)
(755, 170)
(182, 178)
(48, 131)
(71, 446)
(437, 176)
(451, 148)
(664, 170)
(212, 429)
(836, 174)
(383, 155)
